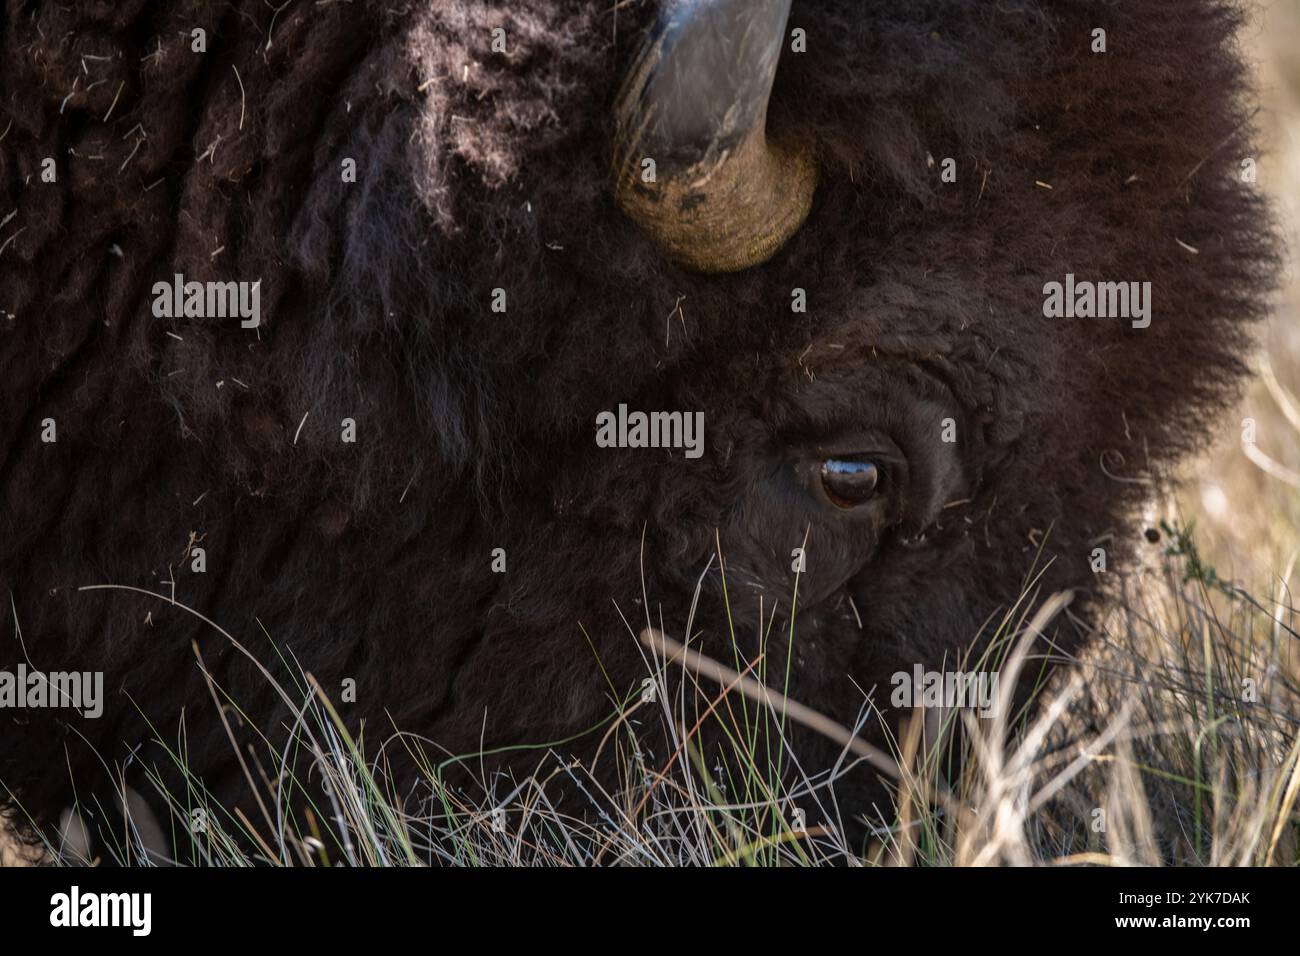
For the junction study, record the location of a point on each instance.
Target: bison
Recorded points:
(436, 349)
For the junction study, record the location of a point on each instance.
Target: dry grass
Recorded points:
(1174, 741)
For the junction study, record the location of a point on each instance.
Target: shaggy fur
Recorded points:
(480, 170)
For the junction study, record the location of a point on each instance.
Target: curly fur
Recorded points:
(480, 170)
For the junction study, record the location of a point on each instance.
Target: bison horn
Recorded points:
(693, 163)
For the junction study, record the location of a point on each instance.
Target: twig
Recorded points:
(241, 95)
(11, 239)
(113, 105)
(697, 663)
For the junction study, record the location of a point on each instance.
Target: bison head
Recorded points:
(841, 263)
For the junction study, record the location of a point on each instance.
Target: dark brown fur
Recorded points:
(478, 170)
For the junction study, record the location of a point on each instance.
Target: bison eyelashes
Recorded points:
(849, 483)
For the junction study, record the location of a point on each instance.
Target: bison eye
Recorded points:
(849, 483)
